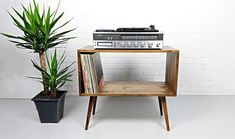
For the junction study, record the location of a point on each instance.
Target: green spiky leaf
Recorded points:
(55, 76)
(39, 28)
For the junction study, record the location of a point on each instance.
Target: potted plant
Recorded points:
(40, 33)
(51, 107)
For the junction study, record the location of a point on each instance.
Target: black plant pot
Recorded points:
(50, 110)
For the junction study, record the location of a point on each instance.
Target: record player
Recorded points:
(128, 38)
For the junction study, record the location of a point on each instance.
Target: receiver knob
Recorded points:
(123, 44)
(129, 44)
(150, 45)
(142, 44)
(136, 44)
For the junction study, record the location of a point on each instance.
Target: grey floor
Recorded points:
(191, 117)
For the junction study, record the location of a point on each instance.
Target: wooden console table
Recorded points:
(135, 88)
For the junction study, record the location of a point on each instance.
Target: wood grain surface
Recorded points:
(90, 49)
(134, 88)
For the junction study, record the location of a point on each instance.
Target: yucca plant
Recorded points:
(40, 32)
(56, 76)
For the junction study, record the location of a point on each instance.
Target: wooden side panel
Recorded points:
(172, 66)
(80, 77)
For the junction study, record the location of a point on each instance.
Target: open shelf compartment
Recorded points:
(136, 88)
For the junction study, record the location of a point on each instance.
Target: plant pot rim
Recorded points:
(37, 98)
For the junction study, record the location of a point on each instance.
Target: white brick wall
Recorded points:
(203, 30)
(129, 66)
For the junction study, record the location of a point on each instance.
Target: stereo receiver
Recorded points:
(128, 38)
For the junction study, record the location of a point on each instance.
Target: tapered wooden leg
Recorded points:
(94, 106)
(164, 105)
(160, 105)
(90, 105)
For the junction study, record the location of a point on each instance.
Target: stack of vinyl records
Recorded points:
(92, 73)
